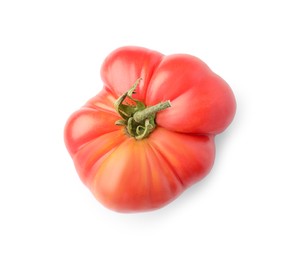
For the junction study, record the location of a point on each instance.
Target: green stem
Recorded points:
(138, 120)
(149, 111)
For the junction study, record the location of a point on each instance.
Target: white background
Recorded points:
(50, 56)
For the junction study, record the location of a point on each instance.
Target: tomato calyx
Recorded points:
(138, 120)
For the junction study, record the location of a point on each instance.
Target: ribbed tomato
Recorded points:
(149, 134)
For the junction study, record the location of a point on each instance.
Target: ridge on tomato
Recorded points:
(149, 134)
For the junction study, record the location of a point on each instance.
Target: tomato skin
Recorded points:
(129, 175)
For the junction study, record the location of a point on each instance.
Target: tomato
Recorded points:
(149, 134)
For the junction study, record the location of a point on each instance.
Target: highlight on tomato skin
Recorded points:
(148, 135)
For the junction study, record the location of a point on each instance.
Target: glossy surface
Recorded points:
(128, 175)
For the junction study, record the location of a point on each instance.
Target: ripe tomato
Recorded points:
(149, 134)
